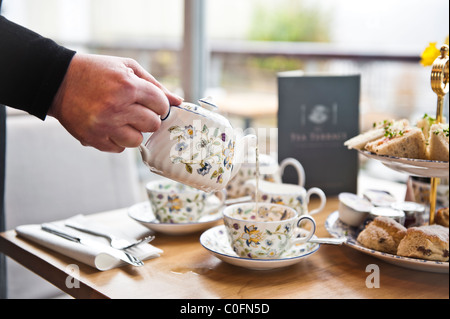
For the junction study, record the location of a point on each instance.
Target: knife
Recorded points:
(122, 255)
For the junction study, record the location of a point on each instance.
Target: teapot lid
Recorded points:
(206, 109)
(208, 104)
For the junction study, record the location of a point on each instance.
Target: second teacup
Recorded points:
(265, 233)
(269, 170)
(173, 202)
(294, 196)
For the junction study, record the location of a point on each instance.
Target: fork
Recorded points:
(114, 241)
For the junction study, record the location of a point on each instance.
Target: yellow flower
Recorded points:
(252, 236)
(431, 53)
(277, 200)
(174, 203)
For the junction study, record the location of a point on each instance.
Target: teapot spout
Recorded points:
(243, 147)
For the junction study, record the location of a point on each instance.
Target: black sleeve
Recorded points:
(31, 68)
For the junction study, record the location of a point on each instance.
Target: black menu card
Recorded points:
(316, 115)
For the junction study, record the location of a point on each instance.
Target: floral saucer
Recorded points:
(337, 228)
(215, 240)
(142, 213)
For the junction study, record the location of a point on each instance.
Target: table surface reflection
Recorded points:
(187, 270)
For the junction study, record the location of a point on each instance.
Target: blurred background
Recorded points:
(231, 50)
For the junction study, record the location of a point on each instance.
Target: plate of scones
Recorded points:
(420, 149)
(424, 248)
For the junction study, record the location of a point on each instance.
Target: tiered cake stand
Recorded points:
(426, 168)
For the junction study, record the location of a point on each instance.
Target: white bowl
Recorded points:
(353, 210)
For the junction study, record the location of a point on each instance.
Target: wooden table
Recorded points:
(187, 271)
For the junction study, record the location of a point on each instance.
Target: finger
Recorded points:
(113, 148)
(127, 136)
(143, 74)
(173, 98)
(142, 118)
(152, 97)
(105, 146)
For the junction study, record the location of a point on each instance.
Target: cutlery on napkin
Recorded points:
(96, 256)
(119, 254)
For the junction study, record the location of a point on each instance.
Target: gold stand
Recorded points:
(439, 84)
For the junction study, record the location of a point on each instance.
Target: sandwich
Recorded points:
(438, 142)
(378, 131)
(408, 142)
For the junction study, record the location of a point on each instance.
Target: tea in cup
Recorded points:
(294, 196)
(175, 203)
(264, 230)
(269, 170)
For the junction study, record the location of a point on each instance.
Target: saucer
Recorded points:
(142, 213)
(215, 240)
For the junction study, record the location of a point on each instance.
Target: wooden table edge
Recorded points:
(56, 276)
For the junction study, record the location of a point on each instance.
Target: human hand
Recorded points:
(107, 102)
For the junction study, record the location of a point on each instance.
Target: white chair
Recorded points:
(51, 176)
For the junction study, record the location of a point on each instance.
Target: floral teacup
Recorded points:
(265, 234)
(294, 196)
(418, 190)
(176, 203)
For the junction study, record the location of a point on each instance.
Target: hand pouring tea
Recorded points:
(196, 146)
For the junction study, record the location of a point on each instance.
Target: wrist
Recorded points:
(57, 103)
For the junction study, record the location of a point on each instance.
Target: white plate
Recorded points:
(142, 213)
(215, 240)
(337, 228)
(411, 166)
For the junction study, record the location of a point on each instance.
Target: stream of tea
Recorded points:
(257, 181)
(260, 214)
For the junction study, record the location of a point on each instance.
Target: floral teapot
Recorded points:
(196, 146)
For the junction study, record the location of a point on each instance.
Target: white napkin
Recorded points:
(91, 256)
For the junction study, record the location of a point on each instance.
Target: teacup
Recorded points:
(269, 170)
(173, 202)
(419, 189)
(265, 234)
(294, 196)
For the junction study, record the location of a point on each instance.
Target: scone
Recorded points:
(438, 142)
(425, 242)
(409, 143)
(441, 217)
(382, 234)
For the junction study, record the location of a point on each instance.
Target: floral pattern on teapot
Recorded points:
(200, 149)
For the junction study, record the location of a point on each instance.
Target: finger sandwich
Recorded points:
(378, 131)
(408, 142)
(438, 142)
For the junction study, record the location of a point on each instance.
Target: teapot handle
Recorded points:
(145, 153)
